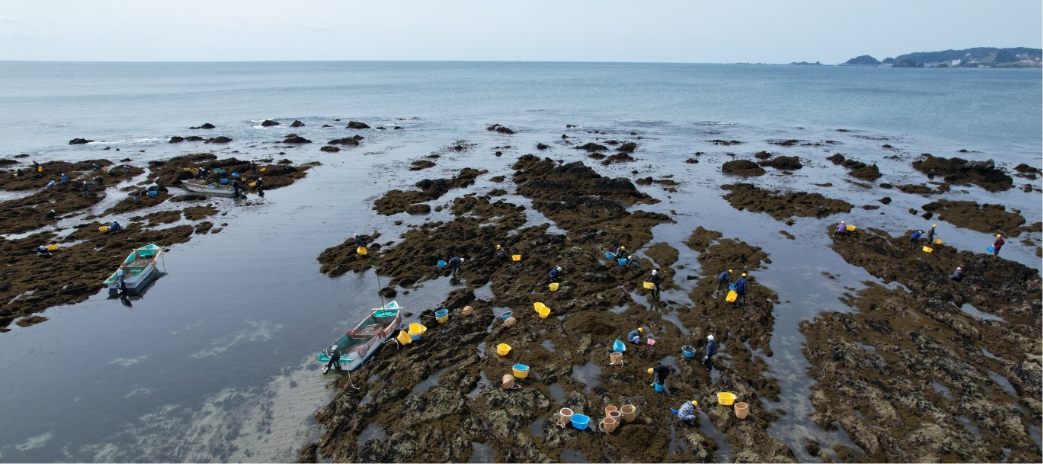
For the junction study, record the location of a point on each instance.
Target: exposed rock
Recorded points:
(176, 139)
(960, 171)
(297, 123)
(762, 155)
(352, 141)
(984, 218)
(221, 139)
(592, 147)
(204, 126)
(500, 129)
(783, 162)
(296, 139)
(725, 142)
(742, 167)
(79, 141)
(540, 146)
(421, 164)
(783, 205)
(397, 201)
(784, 143)
(622, 157)
(329, 149)
(357, 125)
(627, 147)
(269, 123)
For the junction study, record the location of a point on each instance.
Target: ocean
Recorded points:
(214, 364)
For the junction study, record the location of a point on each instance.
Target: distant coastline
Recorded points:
(982, 57)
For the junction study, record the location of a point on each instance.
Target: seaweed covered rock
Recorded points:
(592, 147)
(960, 171)
(781, 205)
(742, 168)
(398, 201)
(788, 163)
(982, 218)
(350, 141)
(500, 129)
(269, 123)
(357, 125)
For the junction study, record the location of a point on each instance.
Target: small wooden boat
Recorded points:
(358, 344)
(137, 271)
(212, 188)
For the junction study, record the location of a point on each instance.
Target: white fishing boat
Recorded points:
(211, 188)
(358, 344)
(137, 271)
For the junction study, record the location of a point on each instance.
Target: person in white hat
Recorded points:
(958, 275)
(655, 279)
(455, 263)
(711, 349)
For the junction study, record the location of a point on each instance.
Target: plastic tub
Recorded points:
(404, 338)
(610, 255)
(928, 249)
(726, 398)
(52, 247)
(543, 312)
(502, 349)
(850, 228)
(580, 422)
(688, 350)
(618, 346)
(152, 193)
(103, 229)
(441, 264)
(648, 285)
(361, 251)
(564, 416)
(510, 322)
(537, 305)
(658, 387)
(521, 371)
(608, 424)
(629, 412)
(468, 310)
(615, 359)
(990, 249)
(515, 257)
(622, 261)
(507, 315)
(731, 287)
(442, 315)
(553, 286)
(741, 410)
(224, 181)
(937, 241)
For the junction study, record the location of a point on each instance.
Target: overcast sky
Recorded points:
(722, 31)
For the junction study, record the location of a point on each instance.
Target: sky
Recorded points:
(722, 31)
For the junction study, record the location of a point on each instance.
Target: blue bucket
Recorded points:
(990, 249)
(442, 313)
(441, 264)
(658, 388)
(580, 422)
(731, 287)
(688, 350)
(219, 170)
(415, 337)
(235, 174)
(507, 315)
(622, 261)
(152, 193)
(618, 346)
(610, 255)
(224, 181)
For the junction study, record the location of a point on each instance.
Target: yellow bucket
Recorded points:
(253, 184)
(537, 305)
(554, 286)
(262, 169)
(403, 338)
(543, 311)
(725, 398)
(648, 285)
(928, 249)
(937, 241)
(442, 319)
(416, 329)
(502, 349)
(520, 373)
(515, 257)
(732, 296)
(850, 228)
(39, 169)
(361, 251)
(104, 228)
(52, 247)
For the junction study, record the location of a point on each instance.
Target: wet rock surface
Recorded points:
(398, 201)
(86, 256)
(462, 408)
(982, 218)
(910, 376)
(783, 162)
(783, 205)
(962, 172)
(742, 168)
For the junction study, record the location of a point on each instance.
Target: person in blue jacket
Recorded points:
(687, 412)
(711, 349)
(635, 335)
(554, 274)
(724, 279)
(913, 239)
(740, 289)
(958, 275)
(455, 263)
(359, 242)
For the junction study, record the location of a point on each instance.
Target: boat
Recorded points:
(139, 270)
(358, 344)
(211, 188)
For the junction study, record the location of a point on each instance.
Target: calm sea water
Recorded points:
(213, 363)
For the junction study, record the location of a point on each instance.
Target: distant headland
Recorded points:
(982, 57)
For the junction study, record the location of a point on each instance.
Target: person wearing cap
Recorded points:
(260, 186)
(635, 335)
(711, 349)
(86, 189)
(622, 252)
(656, 280)
(930, 234)
(958, 275)
(554, 274)
(359, 242)
(997, 245)
(724, 279)
(841, 229)
(51, 215)
(334, 354)
(63, 180)
(659, 374)
(915, 238)
(455, 263)
(686, 413)
(740, 289)
(501, 253)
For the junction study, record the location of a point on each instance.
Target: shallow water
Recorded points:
(227, 349)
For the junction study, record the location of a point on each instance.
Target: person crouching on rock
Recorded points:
(659, 374)
(841, 229)
(51, 215)
(724, 279)
(554, 274)
(41, 251)
(958, 275)
(334, 353)
(115, 226)
(635, 335)
(621, 252)
(686, 413)
(500, 254)
(454, 263)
